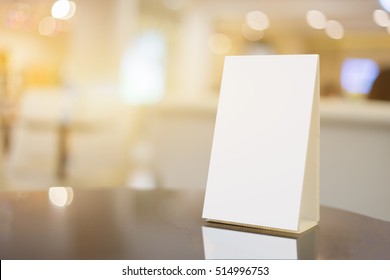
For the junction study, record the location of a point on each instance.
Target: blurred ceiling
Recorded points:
(288, 15)
(354, 15)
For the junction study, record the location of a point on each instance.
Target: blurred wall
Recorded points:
(98, 41)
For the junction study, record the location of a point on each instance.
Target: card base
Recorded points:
(304, 226)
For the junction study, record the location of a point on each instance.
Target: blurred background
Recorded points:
(123, 93)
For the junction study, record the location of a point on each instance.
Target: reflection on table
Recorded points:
(235, 242)
(121, 223)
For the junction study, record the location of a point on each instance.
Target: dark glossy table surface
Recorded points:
(166, 224)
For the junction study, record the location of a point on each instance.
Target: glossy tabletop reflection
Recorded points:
(120, 223)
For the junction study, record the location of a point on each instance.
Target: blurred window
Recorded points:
(143, 69)
(358, 74)
(385, 4)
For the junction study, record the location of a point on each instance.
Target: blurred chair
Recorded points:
(181, 141)
(65, 139)
(2, 182)
(33, 154)
(98, 143)
(355, 157)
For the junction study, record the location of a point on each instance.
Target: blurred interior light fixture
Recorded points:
(251, 34)
(385, 4)
(334, 29)
(381, 18)
(316, 19)
(61, 196)
(220, 43)
(63, 9)
(257, 20)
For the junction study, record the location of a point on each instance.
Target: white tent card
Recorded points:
(264, 165)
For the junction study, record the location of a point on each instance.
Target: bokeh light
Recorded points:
(61, 196)
(63, 9)
(220, 43)
(316, 19)
(257, 20)
(381, 18)
(48, 26)
(334, 29)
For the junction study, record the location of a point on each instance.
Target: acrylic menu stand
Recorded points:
(264, 165)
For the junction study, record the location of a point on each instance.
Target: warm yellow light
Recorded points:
(72, 10)
(257, 20)
(63, 9)
(381, 18)
(220, 43)
(334, 29)
(251, 34)
(316, 19)
(174, 5)
(47, 26)
(61, 196)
